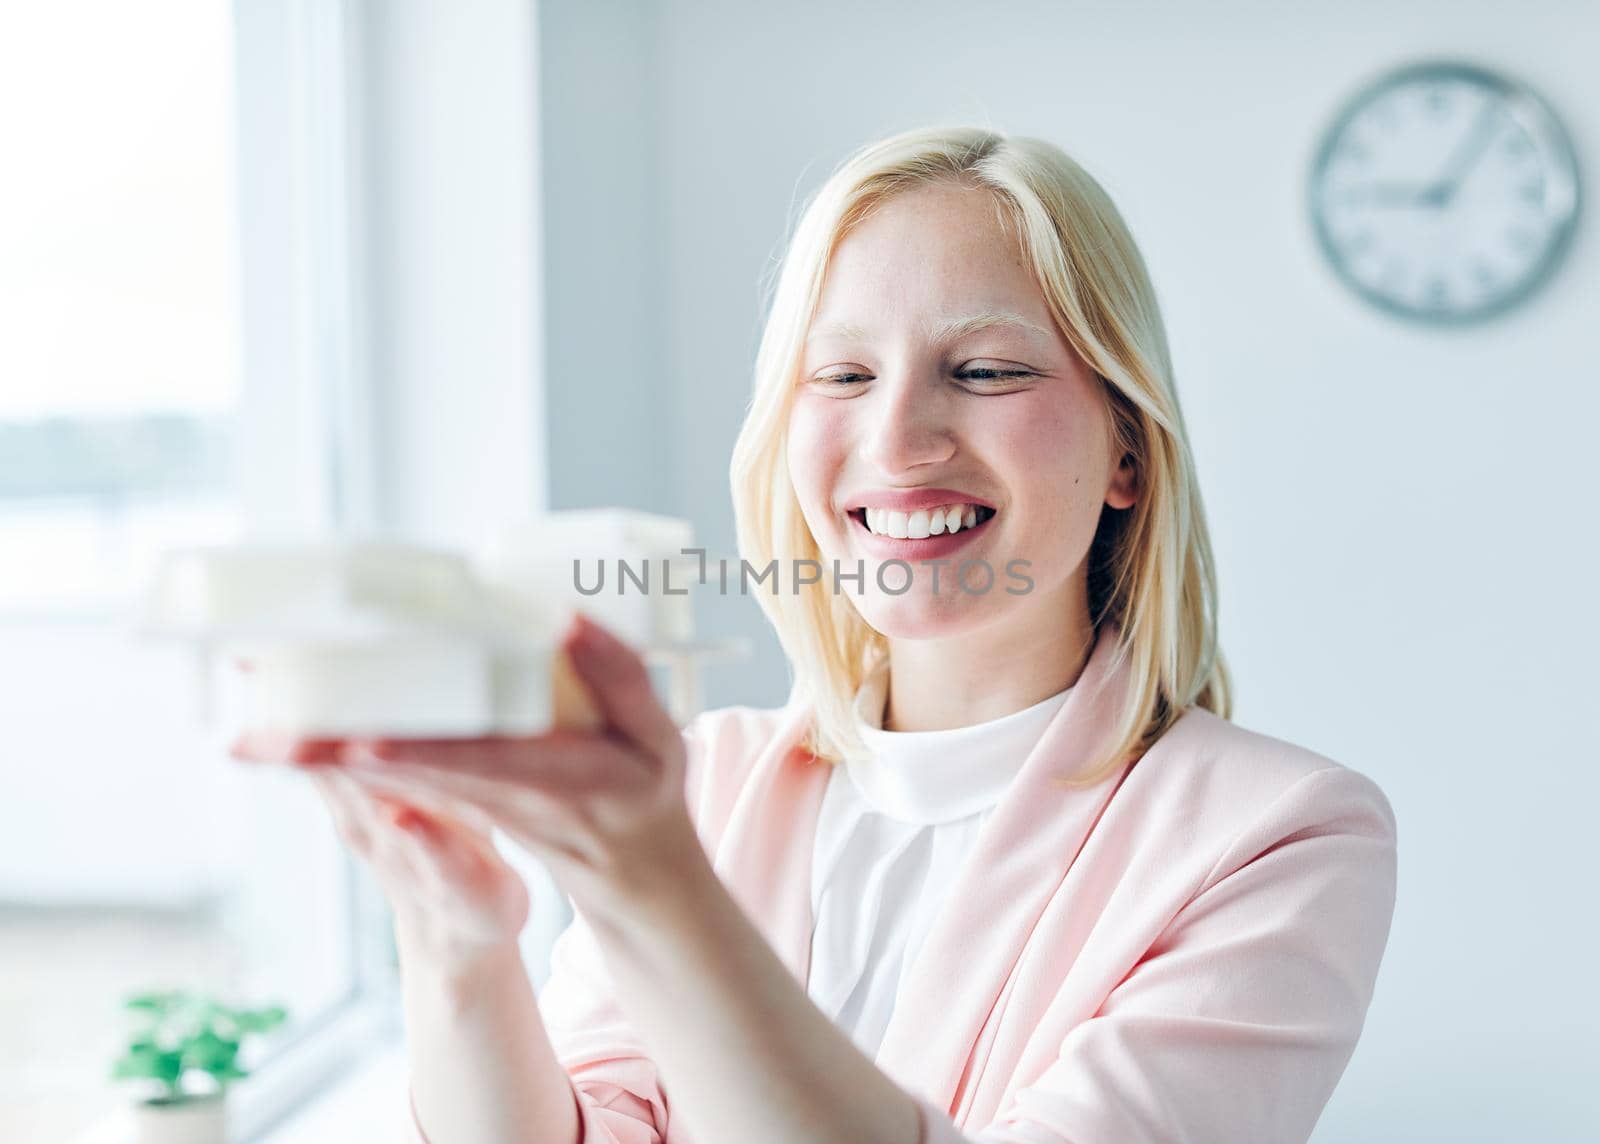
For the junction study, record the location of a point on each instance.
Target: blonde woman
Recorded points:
(1001, 869)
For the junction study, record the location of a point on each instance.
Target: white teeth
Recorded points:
(922, 523)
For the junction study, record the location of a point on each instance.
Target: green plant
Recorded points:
(184, 1033)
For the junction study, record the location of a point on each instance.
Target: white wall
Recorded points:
(452, 231)
(1394, 508)
(606, 382)
(451, 155)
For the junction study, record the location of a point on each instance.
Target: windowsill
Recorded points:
(368, 1104)
(366, 1099)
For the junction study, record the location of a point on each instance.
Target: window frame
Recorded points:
(305, 412)
(301, 153)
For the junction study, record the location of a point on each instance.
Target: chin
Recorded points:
(924, 616)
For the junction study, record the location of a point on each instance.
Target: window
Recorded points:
(167, 377)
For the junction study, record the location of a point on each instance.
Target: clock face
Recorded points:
(1445, 193)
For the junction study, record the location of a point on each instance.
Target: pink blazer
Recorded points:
(1184, 952)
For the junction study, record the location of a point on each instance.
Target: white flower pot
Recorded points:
(197, 1120)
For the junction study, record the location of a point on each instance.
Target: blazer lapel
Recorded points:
(764, 855)
(1016, 864)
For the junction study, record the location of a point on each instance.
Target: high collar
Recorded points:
(930, 777)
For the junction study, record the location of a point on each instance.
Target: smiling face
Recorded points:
(934, 375)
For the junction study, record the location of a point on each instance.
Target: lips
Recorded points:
(910, 500)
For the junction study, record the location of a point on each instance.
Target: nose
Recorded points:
(908, 425)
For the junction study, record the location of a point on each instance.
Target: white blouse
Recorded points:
(892, 832)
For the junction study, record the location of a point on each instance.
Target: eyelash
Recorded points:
(834, 379)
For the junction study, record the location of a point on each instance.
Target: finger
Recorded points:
(284, 747)
(443, 816)
(620, 683)
(481, 803)
(399, 861)
(351, 825)
(372, 812)
(559, 760)
(451, 851)
(409, 840)
(437, 849)
(468, 799)
(474, 801)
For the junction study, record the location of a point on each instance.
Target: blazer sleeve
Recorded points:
(1237, 1023)
(614, 1081)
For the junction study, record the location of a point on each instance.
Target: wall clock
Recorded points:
(1444, 192)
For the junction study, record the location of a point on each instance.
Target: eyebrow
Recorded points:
(945, 331)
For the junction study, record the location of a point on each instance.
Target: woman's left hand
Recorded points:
(604, 810)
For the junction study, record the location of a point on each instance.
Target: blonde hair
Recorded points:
(1150, 570)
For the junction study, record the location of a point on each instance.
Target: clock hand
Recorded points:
(1393, 194)
(1466, 154)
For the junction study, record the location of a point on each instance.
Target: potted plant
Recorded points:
(182, 1035)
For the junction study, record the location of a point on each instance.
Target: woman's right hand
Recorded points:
(451, 891)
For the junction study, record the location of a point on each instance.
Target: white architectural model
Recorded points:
(362, 638)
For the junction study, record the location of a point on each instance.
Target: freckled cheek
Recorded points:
(817, 445)
(1040, 436)
(1050, 459)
